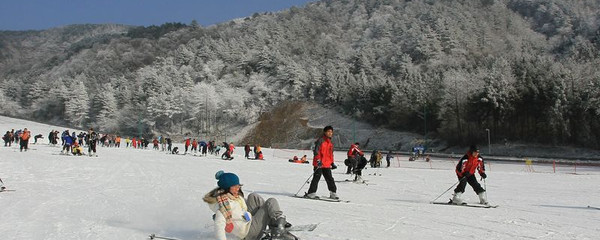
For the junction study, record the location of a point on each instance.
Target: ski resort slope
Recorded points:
(131, 193)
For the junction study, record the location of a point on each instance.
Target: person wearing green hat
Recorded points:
(239, 218)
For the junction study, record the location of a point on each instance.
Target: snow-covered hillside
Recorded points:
(131, 193)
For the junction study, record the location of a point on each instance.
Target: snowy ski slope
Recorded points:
(131, 193)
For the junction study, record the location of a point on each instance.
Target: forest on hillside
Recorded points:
(525, 69)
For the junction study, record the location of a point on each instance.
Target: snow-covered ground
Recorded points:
(130, 193)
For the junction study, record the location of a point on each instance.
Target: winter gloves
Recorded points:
(246, 216)
(483, 175)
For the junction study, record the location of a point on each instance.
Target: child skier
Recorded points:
(465, 171)
(239, 218)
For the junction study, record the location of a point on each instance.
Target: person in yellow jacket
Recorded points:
(238, 218)
(77, 149)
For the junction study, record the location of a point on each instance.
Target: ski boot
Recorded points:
(482, 198)
(311, 195)
(456, 199)
(333, 195)
(278, 231)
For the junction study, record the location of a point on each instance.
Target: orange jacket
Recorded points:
(323, 152)
(26, 135)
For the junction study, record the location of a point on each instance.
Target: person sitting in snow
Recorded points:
(465, 171)
(77, 149)
(175, 150)
(239, 218)
(299, 160)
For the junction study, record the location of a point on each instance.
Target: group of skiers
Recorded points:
(258, 155)
(72, 143)
(248, 218)
(20, 137)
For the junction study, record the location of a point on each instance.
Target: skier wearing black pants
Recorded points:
(322, 163)
(465, 171)
(25, 139)
(93, 139)
(362, 163)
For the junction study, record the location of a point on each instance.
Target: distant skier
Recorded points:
(24, 138)
(465, 171)
(67, 142)
(258, 152)
(322, 164)
(36, 137)
(77, 149)
(169, 144)
(239, 218)
(360, 165)
(247, 151)
(354, 154)
(187, 142)
(194, 146)
(388, 158)
(92, 142)
(228, 154)
(7, 139)
(155, 144)
(204, 147)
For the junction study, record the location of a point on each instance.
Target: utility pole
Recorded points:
(489, 141)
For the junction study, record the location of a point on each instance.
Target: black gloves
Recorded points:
(466, 175)
(483, 175)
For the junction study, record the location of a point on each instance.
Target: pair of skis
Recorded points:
(296, 228)
(322, 198)
(467, 205)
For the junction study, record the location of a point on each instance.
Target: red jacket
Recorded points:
(469, 163)
(324, 152)
(354, 150)
(187, 142)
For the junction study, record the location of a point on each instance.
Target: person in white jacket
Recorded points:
(237, 218)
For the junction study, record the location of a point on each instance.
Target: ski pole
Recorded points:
(305, 182)
(447, 189)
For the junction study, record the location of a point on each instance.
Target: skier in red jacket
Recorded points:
(354, 154)
(322, 163)
(465, 171)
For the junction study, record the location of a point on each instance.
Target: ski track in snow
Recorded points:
(131, 193)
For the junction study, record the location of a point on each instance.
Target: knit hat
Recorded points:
(473, 148)
(226, 180)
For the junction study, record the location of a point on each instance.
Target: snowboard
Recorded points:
(467, 205)
(322, 198)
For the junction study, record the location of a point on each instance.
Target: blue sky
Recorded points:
(44, 14)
